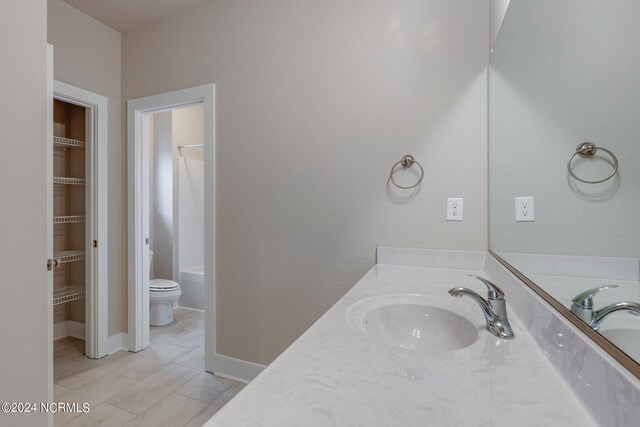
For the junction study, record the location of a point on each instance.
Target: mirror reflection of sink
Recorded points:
(627, 339)
(412, 322)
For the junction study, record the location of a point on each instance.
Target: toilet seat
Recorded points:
(163, 285)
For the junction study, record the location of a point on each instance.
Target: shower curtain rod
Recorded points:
(180, 147)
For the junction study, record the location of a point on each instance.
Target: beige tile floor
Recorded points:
(164, 385)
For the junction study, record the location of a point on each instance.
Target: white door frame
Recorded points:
(50, 228)
(97, 257)
(138, 216)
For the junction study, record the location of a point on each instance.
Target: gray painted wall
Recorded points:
(563, 73)
(498, 9)
(87, 55)
(25, 351)
(315, 102)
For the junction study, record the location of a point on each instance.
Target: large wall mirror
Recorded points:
(565, 73)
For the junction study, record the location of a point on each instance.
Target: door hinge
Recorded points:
(95, 243)
(146, 241)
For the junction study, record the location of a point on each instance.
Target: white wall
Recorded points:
(162, 208)
(188, 128)
(563, 73)
(170, 129)
(498, 9)
(315, 102)
(152, 186)
(88, 55)
(190, 213)
(23, 77)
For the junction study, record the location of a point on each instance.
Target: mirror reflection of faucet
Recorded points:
(582, 306)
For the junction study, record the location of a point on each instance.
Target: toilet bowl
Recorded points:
(162, 295)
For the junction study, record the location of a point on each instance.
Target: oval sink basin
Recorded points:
(415, 322)
(421, 328)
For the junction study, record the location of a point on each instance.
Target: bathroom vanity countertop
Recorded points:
(621, 328)
(334, 375)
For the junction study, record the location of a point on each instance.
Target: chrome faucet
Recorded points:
(582, 306)
(494, 307)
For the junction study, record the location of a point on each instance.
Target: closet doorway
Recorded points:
(78, 217)
(139, 112)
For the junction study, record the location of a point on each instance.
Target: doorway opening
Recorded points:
(171, 150)
(176, 212)
(78, 233)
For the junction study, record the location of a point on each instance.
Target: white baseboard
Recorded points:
(117, 342)
(236, 369)
(59, 330)
(68, 328)
(76, 329)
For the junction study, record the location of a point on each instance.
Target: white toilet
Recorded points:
(162, 295)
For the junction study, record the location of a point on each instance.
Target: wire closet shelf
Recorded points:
(68, 219)
(64, 294)
(64, 257)
(65, 180)
(61, 142)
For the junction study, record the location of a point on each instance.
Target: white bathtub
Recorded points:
(192, 285)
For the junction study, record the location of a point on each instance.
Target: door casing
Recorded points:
(138, 210)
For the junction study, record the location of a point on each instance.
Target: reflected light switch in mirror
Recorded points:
(524, 209)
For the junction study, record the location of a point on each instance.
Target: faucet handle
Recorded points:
(494, 291)
(585, 299)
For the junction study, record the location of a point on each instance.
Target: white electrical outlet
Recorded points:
(454, 209)
(524, 209)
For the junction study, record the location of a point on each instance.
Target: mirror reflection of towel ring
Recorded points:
(589, 149)
(407, 161)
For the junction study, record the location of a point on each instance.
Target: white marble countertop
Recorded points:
(621, 328)
(334, 375)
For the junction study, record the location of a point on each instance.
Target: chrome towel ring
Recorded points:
(588, 149)
(406, 161)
